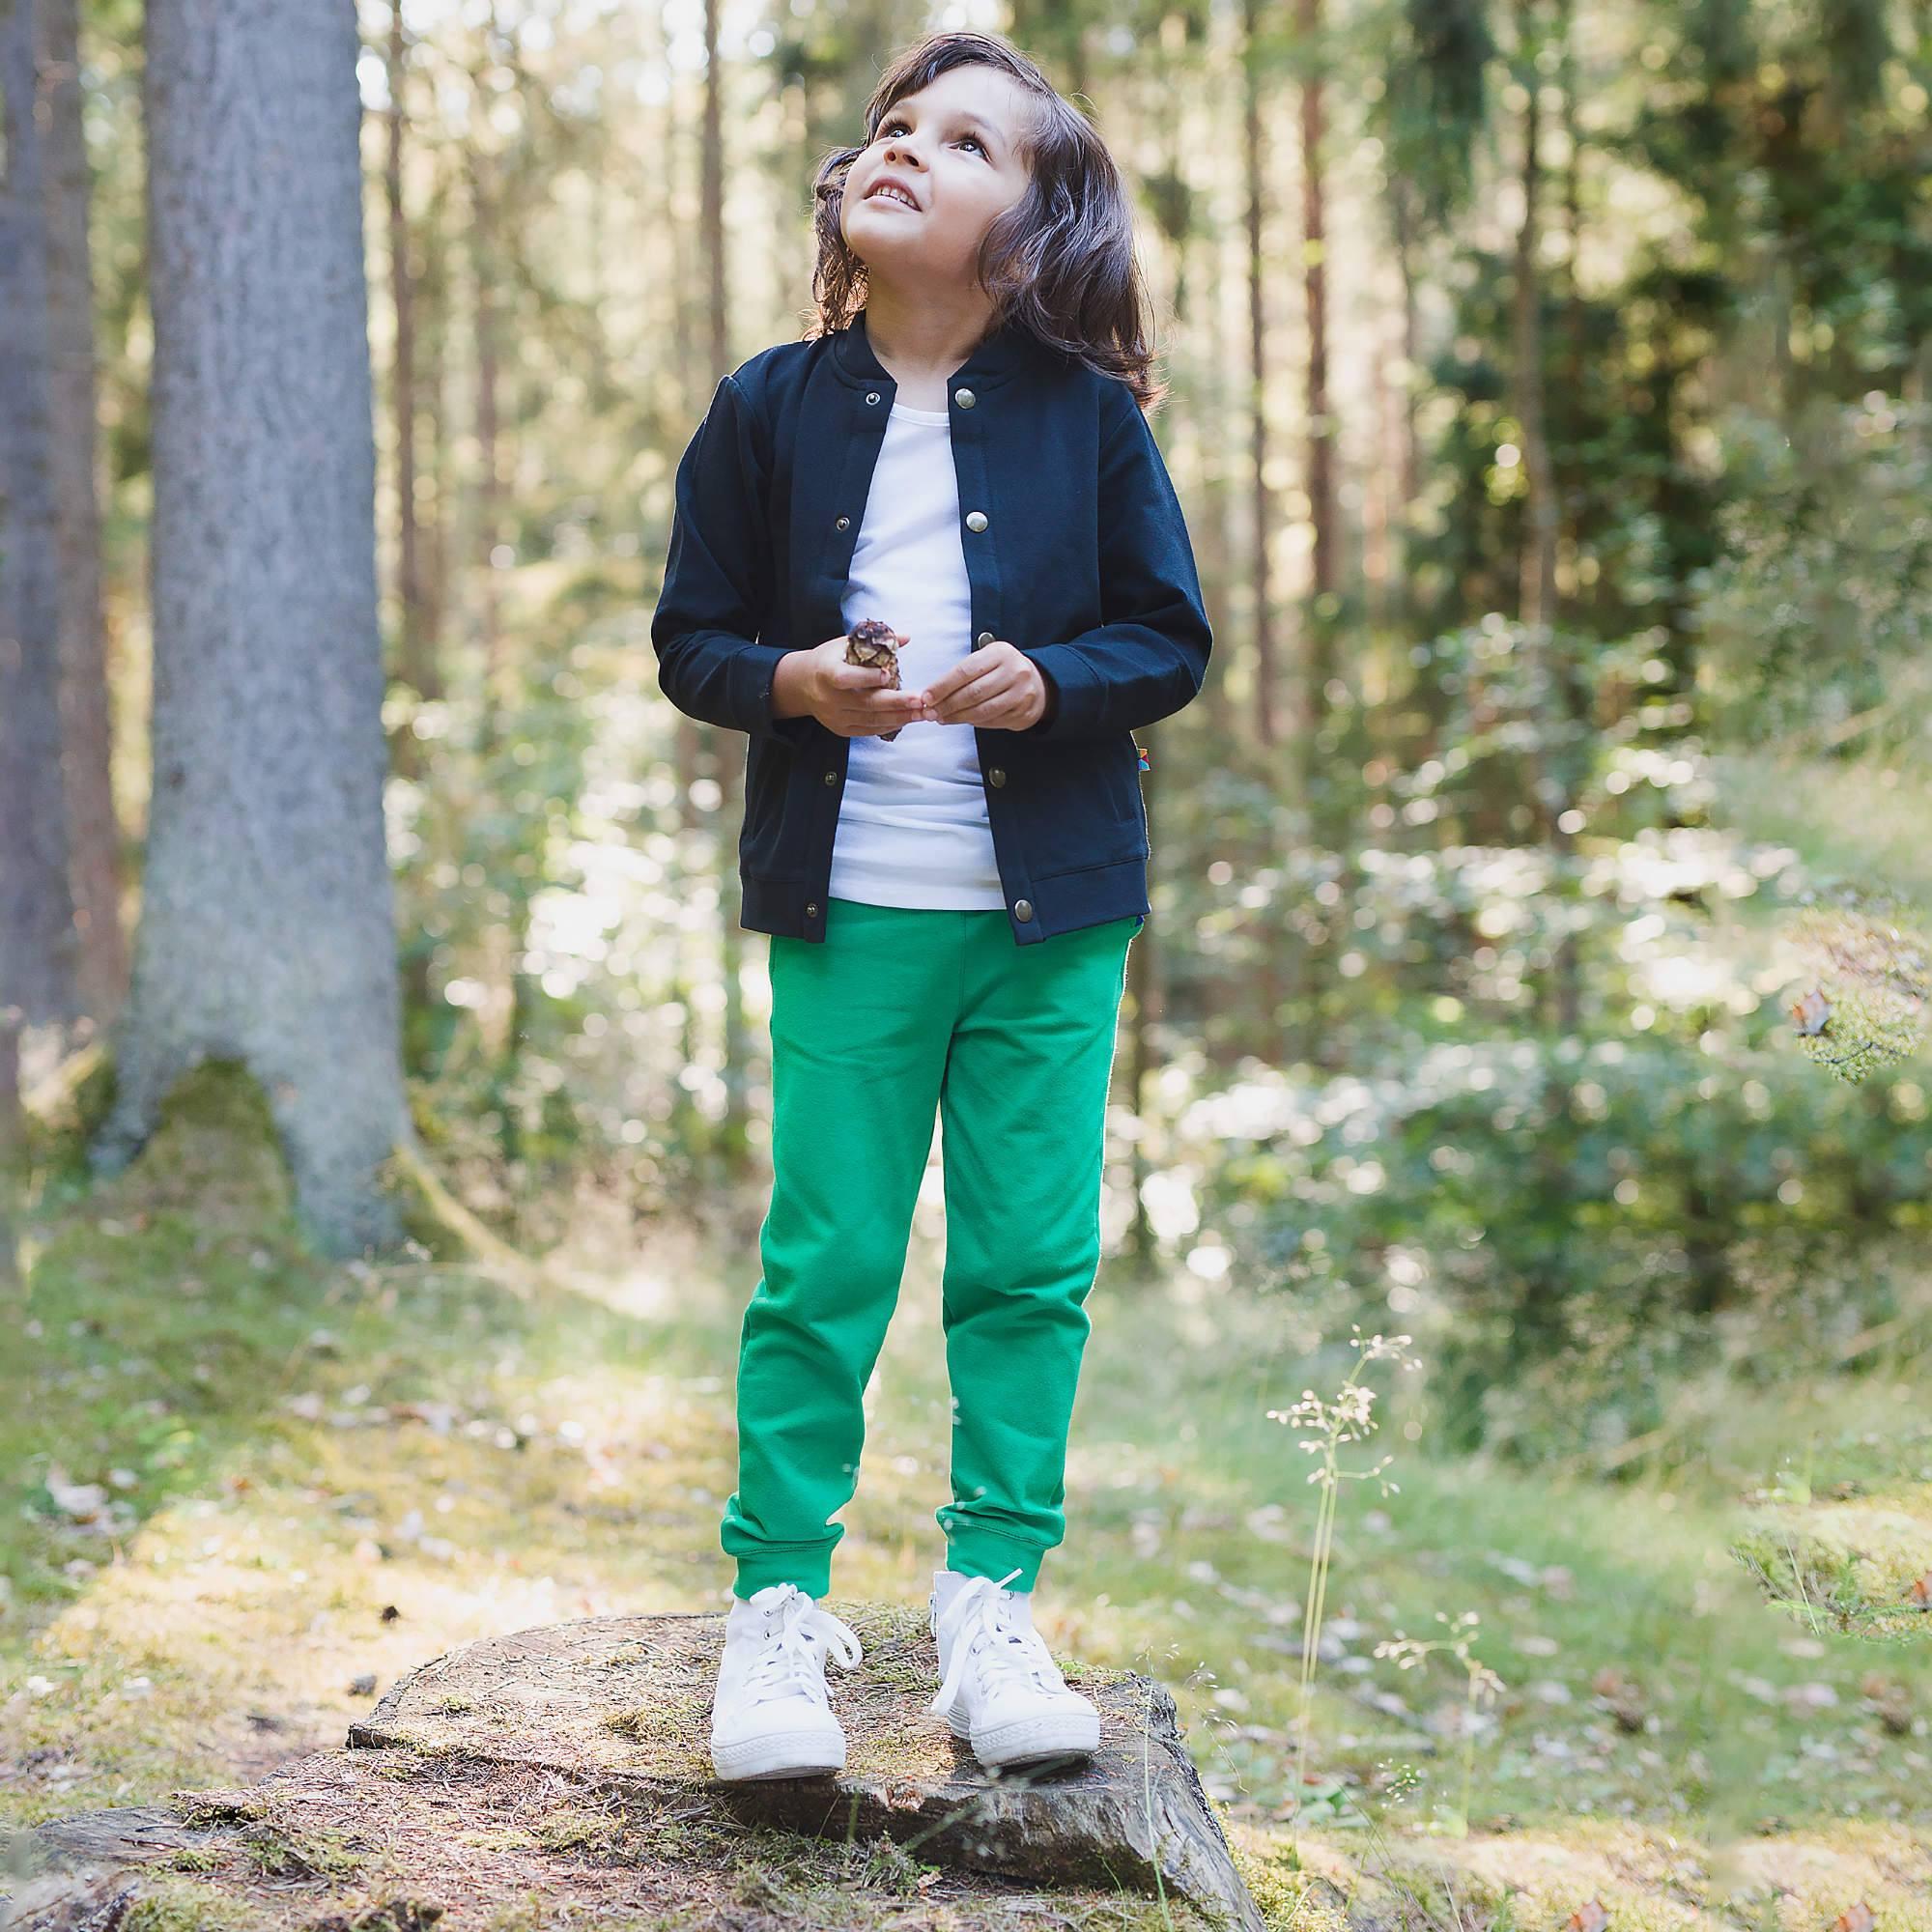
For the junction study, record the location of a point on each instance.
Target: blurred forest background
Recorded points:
(1538, 955)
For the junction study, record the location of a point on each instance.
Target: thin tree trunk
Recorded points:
(418, 557)
(499, 942)
(731, 753)
(1218, 482)
(435, 459)
(489, 457)
(1280, 972)
(683, 1126)
(1427, 694)
(1411, 349)
(1537, 598)
(1265, 729)
(1567, 969)
(1328, 802)
(1320, 432)
(1146, 984)
(1537, 594)
(1378, 506)
(94, 835)
(267, 934)
(39, 947)
(415, 649)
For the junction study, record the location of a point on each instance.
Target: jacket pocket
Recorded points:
(762, 845)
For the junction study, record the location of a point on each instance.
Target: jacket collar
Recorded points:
(1002, 351)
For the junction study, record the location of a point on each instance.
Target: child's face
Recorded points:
(953, 146)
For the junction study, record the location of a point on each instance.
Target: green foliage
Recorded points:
(482, 851)
(1817, 617)
(1527, 1205)
(1567, 1116)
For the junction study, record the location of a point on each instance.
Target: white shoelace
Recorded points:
(785, 1662)
(1012, 1650)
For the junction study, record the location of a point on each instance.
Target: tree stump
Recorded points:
(619, 1707)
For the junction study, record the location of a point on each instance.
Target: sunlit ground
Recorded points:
(241, 1483)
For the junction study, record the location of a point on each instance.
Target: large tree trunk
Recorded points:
(94, 836)
(37, 944)
(267, 933)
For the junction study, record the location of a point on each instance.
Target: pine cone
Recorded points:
(871, 641)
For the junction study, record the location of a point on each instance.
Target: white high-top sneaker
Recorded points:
(999, 1688)
(770, 1716)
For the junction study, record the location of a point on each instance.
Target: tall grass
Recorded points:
(1326, 1427)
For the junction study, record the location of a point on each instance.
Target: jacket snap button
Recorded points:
(842, 523)
(964, 398)
(811, 908)
(985, 637)
(832, 776)
(1022, 908)
(976, 520)
(871, 395)
(995, 777)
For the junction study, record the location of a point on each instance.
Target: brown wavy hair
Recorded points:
(1060, 261)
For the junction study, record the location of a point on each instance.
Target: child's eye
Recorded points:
(895, 122)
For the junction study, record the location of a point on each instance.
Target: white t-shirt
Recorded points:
(912, 820)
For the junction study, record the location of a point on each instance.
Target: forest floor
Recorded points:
(247, 1490)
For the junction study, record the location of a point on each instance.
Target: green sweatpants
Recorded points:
(899, 1010)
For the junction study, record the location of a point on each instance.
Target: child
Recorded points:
(964, 457)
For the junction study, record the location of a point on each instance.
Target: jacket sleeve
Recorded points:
(1147, 656)
(718, 578)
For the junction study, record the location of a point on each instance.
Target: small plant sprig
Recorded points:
(1326, 1426)
(1482, 1684)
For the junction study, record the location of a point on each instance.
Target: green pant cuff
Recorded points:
(983, 1554)
(813, 1579)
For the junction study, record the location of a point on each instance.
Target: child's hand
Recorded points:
(996, 685)
(850, 699)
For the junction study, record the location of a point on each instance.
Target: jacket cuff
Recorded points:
(754, 671)
(1076, 699)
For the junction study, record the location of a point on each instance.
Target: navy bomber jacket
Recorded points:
(1076, 552)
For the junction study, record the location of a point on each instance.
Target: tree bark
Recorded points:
(1537, 595)
(39, 947)
(94, 835)
(267, 934)
(415, 649)
(1263, 507)
(1314, 299)
(732, 752)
